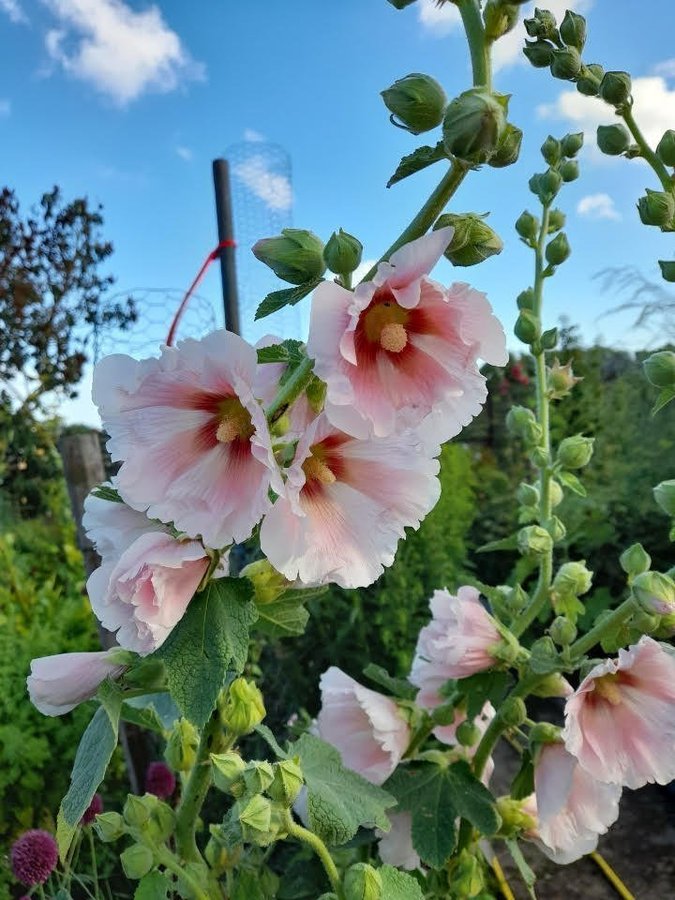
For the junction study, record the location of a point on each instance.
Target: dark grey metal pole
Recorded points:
(228, 271)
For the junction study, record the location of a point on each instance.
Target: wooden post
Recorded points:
(225, 221)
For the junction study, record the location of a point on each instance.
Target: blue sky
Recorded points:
(129, 103)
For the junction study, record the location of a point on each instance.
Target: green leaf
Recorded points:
(266, 734)
(544, 657)
(507, 543)
(523, 784)
(481, 687)
(435, 796)
(339, 801)
(284, 352)
(284, 617)
(416, 161)
(288, 297)
(210, 640)
(665, 396)
(158, 705)
(397, 885)
(105, 492)
(571, 482)
(398, 687)
(526, 872)
(144, 718)
(153, 886)
(91, 761)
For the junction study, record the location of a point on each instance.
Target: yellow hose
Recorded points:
(501, 879)
(611, 876)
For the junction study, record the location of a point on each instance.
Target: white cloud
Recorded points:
(654, 109)
(12, 9)
(5, 108)
(665, 68)
(184, 153)
(250, 134)
(122, 53)
(439, 20)
(598, 206)
(362, 269)
(273, 189)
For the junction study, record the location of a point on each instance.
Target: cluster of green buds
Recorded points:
(241, 707)
(149, 822)
(476, 129)
(572, 580)
(473, 241)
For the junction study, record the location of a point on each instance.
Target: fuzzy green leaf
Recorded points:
(416, 161)
(288, 297)
(153, 886)
(284, 617)
(397, 885)
(398, 687)
(481, 687)
(571, 482)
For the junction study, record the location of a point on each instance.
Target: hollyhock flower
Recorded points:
(193, 440)
(57, 684)
(113, 527)
(571, 807)
(620, 722)
(365, 726)
(396, 846)
(347, 503)
(401, 345)
(34, 856)
(458, 642)
(160, 780)
(93, 810)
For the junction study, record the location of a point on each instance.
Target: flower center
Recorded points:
(384, 324)
(316, 469)
(393, 337)
(607, 688)
(234, 421)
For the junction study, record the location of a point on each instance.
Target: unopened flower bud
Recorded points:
(362, 882)
(664, 494)
(615, 88)
(588, 82)
(514, 817)
(566, 63)
(542, 25)
(499, 18)
(181, 747)
(162, 823)
(534, 541)
(573, 578)
(137, 810)
(468, 733)
(575, 452)
(257, 776)
(613, 140)
(474, 124)
(539, 457)
(539, 53)
(416, 102)
(527, 226)
(400, 4)
(287, 783)
(555, 493)
(526, 328)
(342, 253)
(572, 143)
(525, 300)
(465, 879)
(137, 861)
(573, 30)
(544, 733)
(551, 150)
(296, 255)
(244, 707)
(667, 270)
(660, 369)
(508, 148)
(513, 712)
(665, 149)
(635, 560)
(473, 240)
(527, 494)
(557, 250)
(569, 170)
(268, 583)
(656, 208)
(255, 818)
(549, 339)
(648, 623)
(655, 593)
(522, 423)
(227, 768)
(553, 685)
(548, 186)
(556, 528)
(562, 631)
(560, 380)
(109, 826)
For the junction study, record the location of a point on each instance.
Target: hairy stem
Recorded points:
(620, 615)
(481, 62)
(169, 861)
(290, 391)
(626, 113)
(317, 845)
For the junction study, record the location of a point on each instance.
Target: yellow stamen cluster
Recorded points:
(234, 422)
(385, 323)
(607, 688)
(317, 470)
(393, 337)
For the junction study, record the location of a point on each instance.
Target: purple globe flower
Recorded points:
(94, 808)
(160, 780)
(34, 857)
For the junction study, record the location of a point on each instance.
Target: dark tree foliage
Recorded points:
(52, 292)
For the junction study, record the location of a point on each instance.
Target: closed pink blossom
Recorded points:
(570, 806)
(347, 504)
(620, 722)
(458, 642)
(365, 726)
(192, 438)
(395, 846)
(401, 346)
(57, 684)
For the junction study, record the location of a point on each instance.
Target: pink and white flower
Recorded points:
(620, 722)
(458, 642)
(571, 807)
(365, 726)
(347, 503)
(402, 346)
(396, 846)
(193, 440)
(57, 684)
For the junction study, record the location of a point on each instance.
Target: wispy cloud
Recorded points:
(438, 20)
(5, 108)
(598, 206)
(122, 53)
(184, 152)
(665, 68)
(15, 13)
(270, 187)
(250, 134)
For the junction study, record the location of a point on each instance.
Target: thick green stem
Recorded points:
(94, 866)
(169, 861)
(620, 615)
(290, 391)
(314, 841)
(662, 173)
(481, 62)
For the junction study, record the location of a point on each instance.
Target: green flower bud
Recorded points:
(566, 64)
(416, 102)
(296, 255)
(549, 339)
(109, 826)
(573, 578)
(647, 623)
(539, 53)
(527, 226)
(466, 876)
(655, 593)
(227, 768)
(162, 823)
(342, 253)
(268, 583)
(539, 457)
(635, 560)
(562, 631)
(588, 82)
(613, 140)
(362, 882)
(667, 270)
(527, 494)
(137, 861)
(556, 528)
(534, 540)
(499, 18)
(548, 185)
(551, 150)
(664, 494)
(256, 818)
(257, 776)
(508, 148)
(400, 4)
(181, 747)
(545, 732)
(137, 810)
(555, 494)
(615, 88)
(569, 170)
(244, 707)
(543, 25)
(513, 712)
(575, 452)
(665, 149)
(514, 818)
(573, 30)
(557, 250)
(522, 423)
(526, 328)
(572, 143)
(657, 208)
(525, 299)
(474, 124)
(287, 783)
(554, 685)
(560, 380)
(473, 240)
(468, 733)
